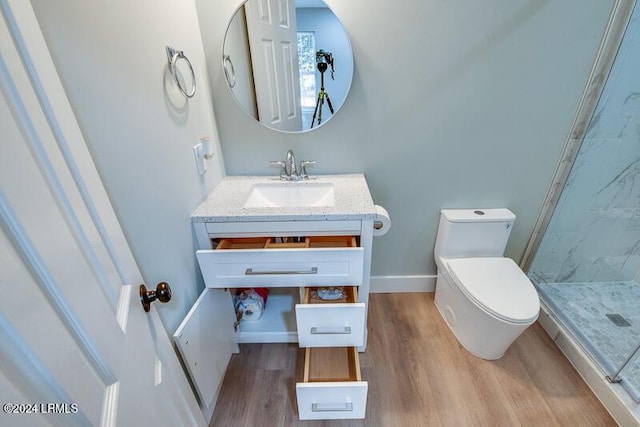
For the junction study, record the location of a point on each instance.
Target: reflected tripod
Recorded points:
(322, 56)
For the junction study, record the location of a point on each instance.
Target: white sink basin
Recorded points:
(291, 195)
(266, 198)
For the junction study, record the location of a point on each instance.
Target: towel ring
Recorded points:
(174, 55)
(229, 71)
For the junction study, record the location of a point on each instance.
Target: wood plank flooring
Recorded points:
(418, 375)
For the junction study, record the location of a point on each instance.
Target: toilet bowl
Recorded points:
(485, 298)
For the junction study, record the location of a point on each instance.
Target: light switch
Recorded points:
(198, 153)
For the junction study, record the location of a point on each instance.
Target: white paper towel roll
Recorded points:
(382, 222)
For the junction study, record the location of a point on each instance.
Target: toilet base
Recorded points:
(479, 332)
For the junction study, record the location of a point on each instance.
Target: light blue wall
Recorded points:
(453, 104)
(140, 131)
(594, 233)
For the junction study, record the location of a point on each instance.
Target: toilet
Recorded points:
(486, 299)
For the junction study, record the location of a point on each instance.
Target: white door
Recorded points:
(76, 347)
(273, 39)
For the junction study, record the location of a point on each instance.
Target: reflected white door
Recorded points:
(76, 347)
(273, 39)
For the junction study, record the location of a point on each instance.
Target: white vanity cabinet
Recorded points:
(293, 254)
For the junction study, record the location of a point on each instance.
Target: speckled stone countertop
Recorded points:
(226, 202)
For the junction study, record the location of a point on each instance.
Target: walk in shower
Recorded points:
(587, 266)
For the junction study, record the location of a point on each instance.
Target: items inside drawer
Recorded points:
(330, 295)
(260, 243)
(286, 242)
(331, 364)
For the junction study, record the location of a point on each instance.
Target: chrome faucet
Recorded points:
(290, 166)
(288, 169)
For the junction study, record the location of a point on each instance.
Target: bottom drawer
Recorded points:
(332, 387)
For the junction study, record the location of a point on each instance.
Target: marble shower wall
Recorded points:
(594, 234)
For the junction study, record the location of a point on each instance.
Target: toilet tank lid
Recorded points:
(475, 215)
(498, 285)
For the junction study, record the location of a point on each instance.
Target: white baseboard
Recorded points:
(389, 284)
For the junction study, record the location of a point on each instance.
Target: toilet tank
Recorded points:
(466, 233)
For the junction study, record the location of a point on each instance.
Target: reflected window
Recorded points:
(307, 65)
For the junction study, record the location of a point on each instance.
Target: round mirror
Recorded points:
(289, 64)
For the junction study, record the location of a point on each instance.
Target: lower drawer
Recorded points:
(332, 387)
(331, 323)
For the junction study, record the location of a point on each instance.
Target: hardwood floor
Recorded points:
(418, 375)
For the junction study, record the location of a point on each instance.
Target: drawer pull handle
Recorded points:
(250, 272)
(318, 331)
(347, 407)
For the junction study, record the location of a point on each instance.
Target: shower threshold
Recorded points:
(604, 319)
(622, 407)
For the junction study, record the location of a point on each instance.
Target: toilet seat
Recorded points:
(498, 286)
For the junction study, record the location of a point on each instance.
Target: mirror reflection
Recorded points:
(289, 65)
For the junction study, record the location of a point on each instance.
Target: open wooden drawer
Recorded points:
(330, 323)
(332, 387)
(265, 262)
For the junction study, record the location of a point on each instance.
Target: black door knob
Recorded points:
(161, 293)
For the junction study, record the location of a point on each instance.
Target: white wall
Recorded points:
(140, 130)
(453, 104)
